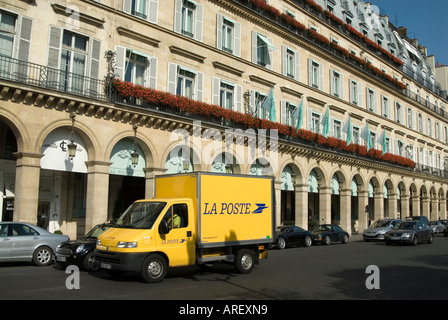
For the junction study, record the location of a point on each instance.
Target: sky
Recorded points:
(426, 20)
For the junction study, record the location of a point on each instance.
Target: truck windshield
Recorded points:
(141, 215)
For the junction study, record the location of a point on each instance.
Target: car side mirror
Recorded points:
(164, 228)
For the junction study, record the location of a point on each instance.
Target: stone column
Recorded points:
(301, 194)
(26, 187)
(325, 204)
(415, 206)
(379, 205)
(346, 209)
(363, 201)
(426, 207)
(442, 211)
(150, 175)
(434, 209)
(97, 193)
(404, 206)
(393, 207)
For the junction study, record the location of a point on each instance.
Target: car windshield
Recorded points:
(283, 229)
(407, 225)
(97, 231)
(141, 215)
(322, 228)
(380, 224)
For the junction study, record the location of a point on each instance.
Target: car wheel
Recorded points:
(281, 243)
(345, 239)
(154, 268)
(244, 261)
(431, 238)
(308, 241)
(43, 256)
(89, 262)
(414, 241)
(327, 240)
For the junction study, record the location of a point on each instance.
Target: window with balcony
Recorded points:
(185, 82)
(227, 95)
(336, 128)
(7, 33)
(262, 50)
(144, 9)
(313, 121)
(291, 63)
(188, 19)
(136, 67)
(371, 100)
(337, 84)
(315, 72)
(355, 93)
(228, 35)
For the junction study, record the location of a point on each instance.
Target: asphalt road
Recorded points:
(320, 272)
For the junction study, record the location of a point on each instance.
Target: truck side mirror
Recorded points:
(164, 228)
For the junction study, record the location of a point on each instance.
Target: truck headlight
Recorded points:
(124, 244)
(98, 242)
(80, 248)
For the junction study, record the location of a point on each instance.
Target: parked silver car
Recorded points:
(437, 226)
(411, 232)
(27, 242)
(379, 228)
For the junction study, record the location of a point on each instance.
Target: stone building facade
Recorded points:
(371, 140)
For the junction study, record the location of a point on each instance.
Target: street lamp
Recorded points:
(72, 145)
(135, 155)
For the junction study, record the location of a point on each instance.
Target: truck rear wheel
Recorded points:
(154, 268)
(244, 261)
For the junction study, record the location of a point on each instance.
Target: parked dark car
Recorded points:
(80, 252)
(445, 232)
(419, 218)
(292, 235)
(328, 233)
(410, 232)
(27, 242)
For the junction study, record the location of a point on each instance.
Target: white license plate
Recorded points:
(106, 266)
(63, 259)
(395, 238)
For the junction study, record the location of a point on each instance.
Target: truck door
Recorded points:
(178, 243)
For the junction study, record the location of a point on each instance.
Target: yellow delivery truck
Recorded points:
(195, 218)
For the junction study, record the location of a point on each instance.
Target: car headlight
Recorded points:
(80, 248)
(406, 235)
(382, 232)
(125, 244)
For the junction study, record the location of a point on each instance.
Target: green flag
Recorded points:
(383, 142)
(269, 105)
(365, 134)
(298, 113)
(326, 123)
(348, 129)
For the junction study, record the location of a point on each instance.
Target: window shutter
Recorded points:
(25, 39)
(237, 38)
(252, 100)
(177, 16)
(215, 91)
(359, 94)
(54, 47)
(321, 77)
(199, 86)
(127, 6)
(153, 73)
(172, 77)
(296, 65)
(271, 55)
(284, 60)
(120, 61)
(283, 112)
(95, 49)
(254, 46)
(309, 124)
(310, 71)
(198, 23)
(341, 86)
(239, 98)
(153, 11)
(332, 127)
(219, 22)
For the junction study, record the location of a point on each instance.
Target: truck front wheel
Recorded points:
(154, 268)
(244, 261)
